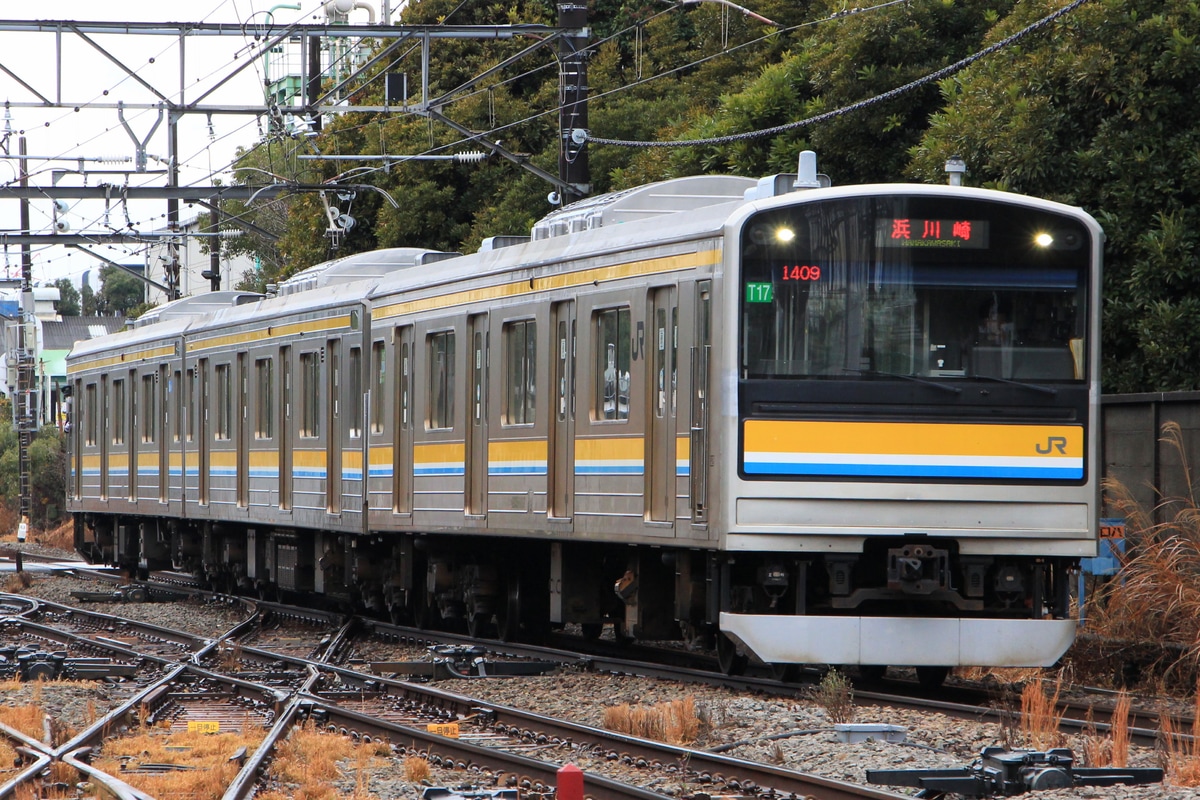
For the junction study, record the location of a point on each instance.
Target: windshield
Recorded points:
(916, 286)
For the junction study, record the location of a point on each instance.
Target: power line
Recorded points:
(860, 105)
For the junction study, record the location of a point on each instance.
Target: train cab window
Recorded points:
(378, 363)
(441, 383)
(355, 417)
(224, 402)
(264, 407)
(520, 368)
(612, 364)
(310, 394)
(90, 410)
(118, 410)
(149, 414)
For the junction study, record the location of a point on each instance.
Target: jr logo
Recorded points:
(1053, 443)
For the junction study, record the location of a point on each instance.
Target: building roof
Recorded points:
(63, 334)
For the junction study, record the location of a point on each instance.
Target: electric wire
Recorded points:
(891, 94)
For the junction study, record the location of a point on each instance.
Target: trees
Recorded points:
(1099, 112)
(1094, 110)
(48, 470)
(68, 298)
(120, 292)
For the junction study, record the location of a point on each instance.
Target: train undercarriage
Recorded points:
(522, 589)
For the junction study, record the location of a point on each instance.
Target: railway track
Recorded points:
(282, 623)
(225, 684)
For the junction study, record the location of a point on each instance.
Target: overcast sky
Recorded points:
(89, 77)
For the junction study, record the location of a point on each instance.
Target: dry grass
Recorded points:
(1040, 717)
(1182, 757)
(204, 758)
(1001, 676)
(1111, 750)
(835, 694)
(309, 760)
(61, 536)
(1157, 595)
(674, 722)
(17, 582)
(416, 769)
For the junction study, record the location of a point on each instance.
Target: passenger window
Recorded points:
(224, 403)
(310, 394)
(264, 407)
(441, 384)
(378, 393)
(520, 366)
(149, 413)
(118, 407)
(612, 365)
(355, 417)
(91, 411)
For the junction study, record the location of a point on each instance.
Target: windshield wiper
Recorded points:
(1033, 387)
(915, 379)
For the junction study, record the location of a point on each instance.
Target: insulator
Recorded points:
(114, 159)
(470, 157)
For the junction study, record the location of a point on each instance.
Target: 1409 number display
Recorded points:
(801, 272)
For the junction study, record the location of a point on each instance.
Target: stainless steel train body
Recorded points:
(846, 425)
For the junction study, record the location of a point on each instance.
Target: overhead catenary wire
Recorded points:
(937, 75)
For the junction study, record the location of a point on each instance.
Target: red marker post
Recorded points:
(570, 783)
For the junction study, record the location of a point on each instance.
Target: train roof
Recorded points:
(194, 306)
(652, 201)
(360, 266)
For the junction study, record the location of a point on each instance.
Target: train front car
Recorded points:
(915, 427)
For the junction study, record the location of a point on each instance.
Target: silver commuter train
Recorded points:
(851, 425)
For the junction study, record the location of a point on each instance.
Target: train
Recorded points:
(793, 422)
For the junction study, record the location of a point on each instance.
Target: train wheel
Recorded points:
(424, 615)
(872, 673)
(479, 625)
(729, 659)
(398, 614)
(508, 613)
(785, 673)
(932, 677)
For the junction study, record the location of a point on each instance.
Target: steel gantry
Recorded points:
(173, 104)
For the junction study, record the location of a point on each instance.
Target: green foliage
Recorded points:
(88, 301)
(1100, 112)
(68, 298)
(1095, 110)
(48, 470)
(119, 292)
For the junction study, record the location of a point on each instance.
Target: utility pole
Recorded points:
(573, 104)
(25, 400)
(213, 273)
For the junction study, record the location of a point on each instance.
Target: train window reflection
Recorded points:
(441, 384)
(264, 413)
(310, 394)
(836, 301)
(612, 364)
(520, 361)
